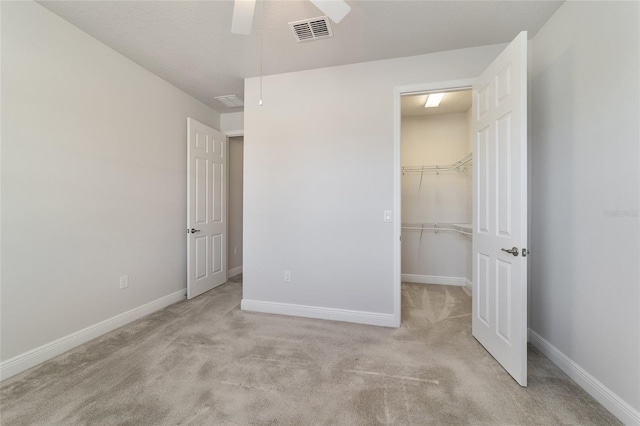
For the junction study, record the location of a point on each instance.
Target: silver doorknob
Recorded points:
(193, 230)
(513, 251)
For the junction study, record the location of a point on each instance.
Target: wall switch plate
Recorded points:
(387, 215)
(235, 250)
(124, 281)
(287, 276)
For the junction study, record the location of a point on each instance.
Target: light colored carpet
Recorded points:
(205, 362)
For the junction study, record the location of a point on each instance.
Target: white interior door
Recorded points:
(500, 209)
(206, 208)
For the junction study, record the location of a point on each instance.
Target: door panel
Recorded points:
(503, 176)
(206, 209)
(216, 254)
(500, 205)
(201, 190)
(200, 257)
(482, 293)
(503, 299)
(483, 168)
(217, 176)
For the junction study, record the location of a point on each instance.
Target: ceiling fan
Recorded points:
(243, 13)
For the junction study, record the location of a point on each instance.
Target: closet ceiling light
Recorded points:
(433, 100)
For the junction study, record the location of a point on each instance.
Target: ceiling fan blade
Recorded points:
(334, 9)
(242, 16)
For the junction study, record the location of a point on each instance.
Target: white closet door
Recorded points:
(500, 209)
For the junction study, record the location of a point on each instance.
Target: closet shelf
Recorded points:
(464, 229)
(457, 166)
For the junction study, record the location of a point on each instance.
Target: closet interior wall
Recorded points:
(443, 198)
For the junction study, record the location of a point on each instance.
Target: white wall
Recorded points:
(232, 123)
(93, 180)
(234, 239)
(442, 198)
(319, 172)
(584, 267)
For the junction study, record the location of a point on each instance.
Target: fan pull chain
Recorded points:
(261, 43)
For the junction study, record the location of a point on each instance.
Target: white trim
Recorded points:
(50, 350)
(318, 312)
(233, 133)
(235, 271)
(433, 279)
(397, 208)
(398, 91)
(605, 396)
(468, 285)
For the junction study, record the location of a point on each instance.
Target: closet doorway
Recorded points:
(437, 161)
(499, 211)
(234, 241)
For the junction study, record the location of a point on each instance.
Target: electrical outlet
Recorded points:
(287, 276)
(124, 282)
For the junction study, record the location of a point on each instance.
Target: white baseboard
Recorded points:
(433, 279)
(468, 285)
(359, 317)
(234, 271)
(612, 402)
(43, 353)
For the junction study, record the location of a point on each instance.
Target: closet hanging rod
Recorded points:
(440, 168)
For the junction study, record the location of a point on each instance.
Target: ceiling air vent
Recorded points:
(230, 101)
(311, 29)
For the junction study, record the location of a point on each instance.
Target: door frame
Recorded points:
(398, 92)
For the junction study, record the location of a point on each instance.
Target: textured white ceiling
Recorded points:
(189, 43)
(452, 102)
